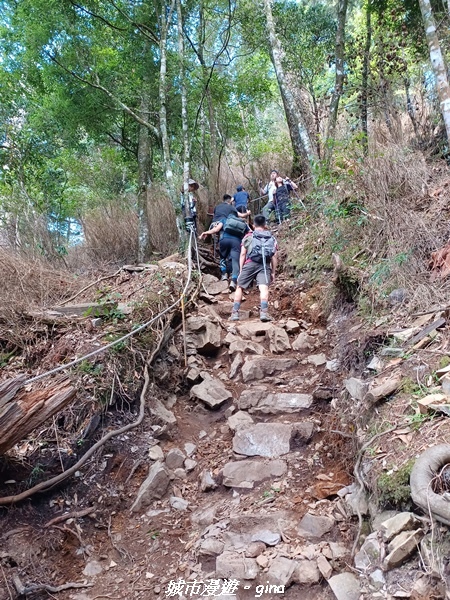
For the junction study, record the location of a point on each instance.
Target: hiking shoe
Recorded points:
(224, 277)
(264, 316)
(234, 316)
(232, 285)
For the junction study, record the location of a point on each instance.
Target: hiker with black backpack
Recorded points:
(257, 260)
(232, 229)
(282, 197)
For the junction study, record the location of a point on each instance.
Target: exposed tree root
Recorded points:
(425, 469)
(32, 588)
(360, 481)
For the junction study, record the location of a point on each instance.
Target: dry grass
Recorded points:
(28, 284)
(383, 215)
(162, 218)
(111, 234)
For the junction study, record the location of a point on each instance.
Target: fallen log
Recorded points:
(383, 390)
(22, 410)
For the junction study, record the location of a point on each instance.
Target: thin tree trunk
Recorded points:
(410, 107)
(437, 62)
(165, 21)
(340, 74)
(144, 168)
(365, 80)
(184, 121)
(301, 143)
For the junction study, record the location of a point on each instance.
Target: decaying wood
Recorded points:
(427, 330)
(383, 390)
(9, 388)
(21, 410)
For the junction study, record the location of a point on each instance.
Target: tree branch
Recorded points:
(110, 95)
(144, 29)
(96, 16)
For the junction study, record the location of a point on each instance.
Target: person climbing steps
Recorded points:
(257, 260)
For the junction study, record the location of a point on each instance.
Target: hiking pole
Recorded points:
(299, 199)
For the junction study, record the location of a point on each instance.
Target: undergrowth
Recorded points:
(378, 213)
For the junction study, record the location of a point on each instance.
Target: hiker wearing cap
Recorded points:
(188, 199)
(284, 187)
(232, 229)
(257, 260)
(241, 199)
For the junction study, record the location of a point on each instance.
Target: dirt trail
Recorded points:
(240, 480)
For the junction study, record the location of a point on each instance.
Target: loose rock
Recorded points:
(153, 488)
(212, 392)
(231, 565)
(245, 347)
(245, 473)
(312, 526)
(307, 572)
(207, 482)
(345, 586)
(292, 326)
(235, 365)
(175, 459)
(303, 342)
(270, 538)
(324, 566)
(178, 503)
(278, 340)
(402, 522)
(281, 571)
(258, 368)
(238, 420)
(211, 547)
(401, 548)
(156, 453)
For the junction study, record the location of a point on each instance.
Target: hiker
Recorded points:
(232, 229)
(258, 259)
(284, 187)
(241, 199)
(188, 190)
(269, 189)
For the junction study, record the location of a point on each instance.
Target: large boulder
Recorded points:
(260, 367)
(263, 439)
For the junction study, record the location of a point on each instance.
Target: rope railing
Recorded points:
(130, 333)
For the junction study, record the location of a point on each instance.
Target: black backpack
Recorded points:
(235, 226)
(262, 247)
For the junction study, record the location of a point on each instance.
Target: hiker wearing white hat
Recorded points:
(189, 202)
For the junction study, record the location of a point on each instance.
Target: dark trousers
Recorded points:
(230, 247)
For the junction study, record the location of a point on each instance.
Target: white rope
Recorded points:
(126, 336)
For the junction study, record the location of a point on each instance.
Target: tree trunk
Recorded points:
(340, 74)
(365, 80)
(23, 411)
(437, 62)
(144, 180)
(184, 122)
(164, 26)
(301, 143)
(410, 107)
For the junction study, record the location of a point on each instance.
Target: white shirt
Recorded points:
(270, 189)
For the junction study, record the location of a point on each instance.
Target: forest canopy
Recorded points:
(109, 106)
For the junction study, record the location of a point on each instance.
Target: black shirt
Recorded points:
(222, 211)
